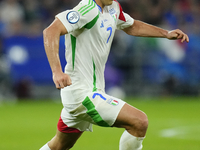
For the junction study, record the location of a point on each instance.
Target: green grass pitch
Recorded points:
(174, 124)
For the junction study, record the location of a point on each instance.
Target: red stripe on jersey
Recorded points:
(62, 127)
(121, 15)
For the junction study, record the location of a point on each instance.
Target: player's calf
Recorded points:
(62, 141)
(134, 134)
(136, 123)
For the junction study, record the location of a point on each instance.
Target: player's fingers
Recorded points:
(61, 85)
(66, 83)
(180, 36)
(173, 35)
(183, 39)
(69, 81)
(57, 85)
(187, 38)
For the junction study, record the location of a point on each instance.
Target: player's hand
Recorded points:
(177, 34)
(61, 80)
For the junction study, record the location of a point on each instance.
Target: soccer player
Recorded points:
(89, 30)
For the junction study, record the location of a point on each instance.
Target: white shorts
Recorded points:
(97, 108)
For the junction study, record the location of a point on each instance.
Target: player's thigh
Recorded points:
(129, 117)
(63, 141)
(102, 108)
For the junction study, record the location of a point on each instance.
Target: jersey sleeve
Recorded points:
(78, 17)
(124, 20)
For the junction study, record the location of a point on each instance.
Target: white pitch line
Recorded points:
(184, 132)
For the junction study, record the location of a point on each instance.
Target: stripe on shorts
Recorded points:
(92, 112)
(62, 127)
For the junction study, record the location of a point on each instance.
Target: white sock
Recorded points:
(45, 147)
(130, 142)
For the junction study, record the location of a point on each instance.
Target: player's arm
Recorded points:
(142, 29)
(51, 43)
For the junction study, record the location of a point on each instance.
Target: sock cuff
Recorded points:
(126, 133)
(45, 147)
(130, 142)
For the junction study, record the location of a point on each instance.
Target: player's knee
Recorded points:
(142, 123)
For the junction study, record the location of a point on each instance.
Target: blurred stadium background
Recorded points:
(157, 66)
(137, 67)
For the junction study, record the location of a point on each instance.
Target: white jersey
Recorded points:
(88, 42)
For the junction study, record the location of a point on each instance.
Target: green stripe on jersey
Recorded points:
(83, 7)
(73, 41)
(86, 8)
(90, 24)
(94, 77)
(92, 112)
(89, 8)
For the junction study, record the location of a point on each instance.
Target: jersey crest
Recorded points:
(113, 14)
(73, 17)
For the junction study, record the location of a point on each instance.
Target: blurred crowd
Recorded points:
(29, 18)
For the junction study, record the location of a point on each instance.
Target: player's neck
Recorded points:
(99, 2)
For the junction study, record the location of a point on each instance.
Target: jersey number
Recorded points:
(109, 29)
(98, 94)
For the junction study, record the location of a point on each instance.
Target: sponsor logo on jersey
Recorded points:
(113, 102)
(102, 24)
(73, 17)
